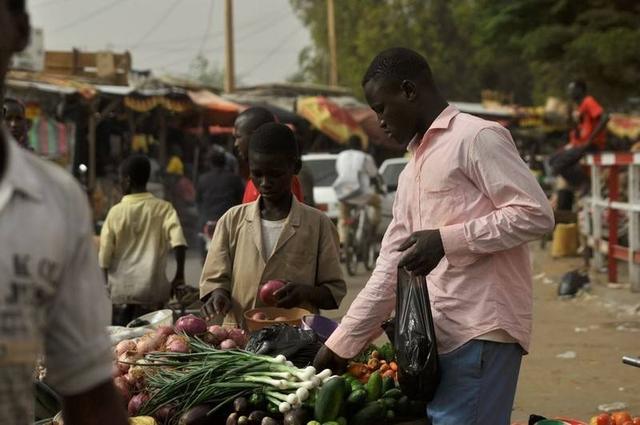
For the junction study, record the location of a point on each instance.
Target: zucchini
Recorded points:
(330, 399)
(356, 385)
(357, 398)
(313, 423)
(388, 384)
(373, 413)
(330, 423)
(393, 393)
(374, 386)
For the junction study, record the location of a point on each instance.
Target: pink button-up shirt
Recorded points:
(466, 178)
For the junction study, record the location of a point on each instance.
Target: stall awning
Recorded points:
(51, 138)
(331, 119)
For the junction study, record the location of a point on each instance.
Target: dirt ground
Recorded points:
(600, 326)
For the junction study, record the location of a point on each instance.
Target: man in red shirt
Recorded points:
(591, 118)
(246, 123)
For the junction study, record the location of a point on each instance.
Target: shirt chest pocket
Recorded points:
(441, 207)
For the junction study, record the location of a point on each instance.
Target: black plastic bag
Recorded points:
(297, 345)
(415, 338)
(572, 282)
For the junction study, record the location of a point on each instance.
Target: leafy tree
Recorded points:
(529, 48)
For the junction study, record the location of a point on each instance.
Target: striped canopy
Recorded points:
(50, 138)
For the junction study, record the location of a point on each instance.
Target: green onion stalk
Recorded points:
(217, 377)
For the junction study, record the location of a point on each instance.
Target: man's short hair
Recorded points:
(398, 64)
(17, 5)
(216, 156)
(274, 138)
(137, 168)
(255, 117)
(580, 84)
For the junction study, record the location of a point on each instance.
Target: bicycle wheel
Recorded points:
(369, 254)
(351, 260)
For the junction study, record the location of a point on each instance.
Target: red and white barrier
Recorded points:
(608, 247)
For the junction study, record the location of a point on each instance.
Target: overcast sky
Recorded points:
(165, 35)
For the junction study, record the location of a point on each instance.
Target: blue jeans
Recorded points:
(477, 385)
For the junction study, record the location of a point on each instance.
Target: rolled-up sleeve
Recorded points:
(218, 266)
(376, 301)
(173, 229)
(329, 273)
(78, 349)
(522, 212)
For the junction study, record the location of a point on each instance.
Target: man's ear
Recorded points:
(297, 166)
(409, 90)
(23, 27)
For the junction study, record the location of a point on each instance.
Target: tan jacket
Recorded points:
(307, 252)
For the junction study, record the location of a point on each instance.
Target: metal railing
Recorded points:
(607, 246)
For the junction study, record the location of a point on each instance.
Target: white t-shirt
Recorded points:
(52, 293)
(271, 231)
(355, 170)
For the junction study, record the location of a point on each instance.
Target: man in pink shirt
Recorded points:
(465, 209)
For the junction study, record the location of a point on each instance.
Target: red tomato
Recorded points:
(619, 418)
(601, 419)
(636, 420)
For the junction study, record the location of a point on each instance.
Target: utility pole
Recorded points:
(229, 69)
(331, 27)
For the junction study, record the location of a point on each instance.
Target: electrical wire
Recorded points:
(84, 18)
(270, 53)
(205, 37)
(157, 24)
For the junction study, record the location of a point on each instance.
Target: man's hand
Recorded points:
(218, 303)
(294, 294)
(422, 252)
(327, 359)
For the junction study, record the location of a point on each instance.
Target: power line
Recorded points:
(157, 24)
(271, 52)
(84, 18)
(209, 22)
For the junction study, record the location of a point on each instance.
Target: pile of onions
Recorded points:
(191, 325)
(136, 403)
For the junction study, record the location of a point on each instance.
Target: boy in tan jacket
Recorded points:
(275, 237)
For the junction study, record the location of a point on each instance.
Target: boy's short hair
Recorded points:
(216, 156)
(398, 64)
(274, 138)
(256, 116)
(137, 168)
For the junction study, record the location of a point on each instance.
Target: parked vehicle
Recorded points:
(323, 169)
(389, 171)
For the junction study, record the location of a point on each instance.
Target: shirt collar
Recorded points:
(293, 217)
(134, 197)
(18, 172)
(442, 122)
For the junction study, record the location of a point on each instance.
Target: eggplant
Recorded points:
(197, 415)
(296, 417)
(269, 421)
(232, 419)
(241, 405)
(255, 418)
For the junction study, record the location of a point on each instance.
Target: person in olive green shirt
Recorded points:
(135, 240)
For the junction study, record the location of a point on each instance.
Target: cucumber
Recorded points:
(388, 384)
(393, 393)
(403, 408)
(390, 415)
(357, 398)
(374, 386)
(356, 385)
(389, 403)
(330, 399)
(347, 387)
(330, 423)
(372, 413)
(313, 423)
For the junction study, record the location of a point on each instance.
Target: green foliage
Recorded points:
(530, 48)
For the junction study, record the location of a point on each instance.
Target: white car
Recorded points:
(323, 168)
(389, 171)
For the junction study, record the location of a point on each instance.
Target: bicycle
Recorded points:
(360, 245)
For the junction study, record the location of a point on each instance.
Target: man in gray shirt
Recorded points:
(52, 295)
